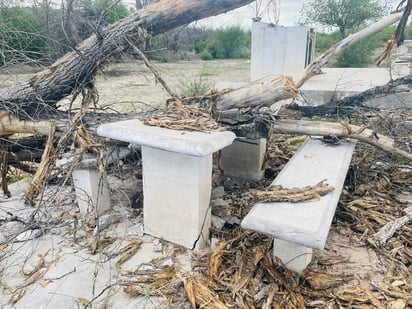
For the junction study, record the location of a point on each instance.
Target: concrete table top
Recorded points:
(197, 144)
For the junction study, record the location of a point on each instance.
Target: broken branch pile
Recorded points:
(293, 195)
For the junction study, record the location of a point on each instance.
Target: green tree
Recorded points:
(111, 11)
(229, 43)
(343, 14)
(21, 36)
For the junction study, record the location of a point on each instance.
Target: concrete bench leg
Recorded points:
(244, 158)
(176, 196)
(294, 256)
(92, 191)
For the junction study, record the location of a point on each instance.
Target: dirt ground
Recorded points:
(352, 271)
(131, 87)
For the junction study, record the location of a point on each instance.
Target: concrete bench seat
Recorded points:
(299, 227)
(177, 178)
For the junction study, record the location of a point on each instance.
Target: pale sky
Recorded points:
(289, 13)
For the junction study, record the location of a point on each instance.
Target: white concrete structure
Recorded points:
(299, 227)
(275, 50)
(177, 173)
(279, 50)
(92, 190)
(402, 59)
(244, 158)
(91, 186)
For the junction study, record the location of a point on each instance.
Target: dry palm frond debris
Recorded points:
(293, 195)
(192, 114)
(178, 116)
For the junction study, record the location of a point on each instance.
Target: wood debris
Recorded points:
(179, 116)
(293, 195)
(386, 232)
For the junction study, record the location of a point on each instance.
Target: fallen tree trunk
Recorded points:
(341, 129)
(271, 89)
(262, 92)
(76, 70)
(352, 103)
(323, 59)
(10, 125)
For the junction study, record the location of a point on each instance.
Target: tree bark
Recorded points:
(262, 92)
(76, 69)
(342, 129)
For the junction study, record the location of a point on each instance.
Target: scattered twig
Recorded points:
(62, 276)
(36, 184)
(154, 70)
(386, 232)
(293, 195)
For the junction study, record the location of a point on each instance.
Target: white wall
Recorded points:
(277, 50)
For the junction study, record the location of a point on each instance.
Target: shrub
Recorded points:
(205, 55)
(112, 12)
(229, 43)
(194, 87)
(357, 55)
(20, 36)
(200, 46)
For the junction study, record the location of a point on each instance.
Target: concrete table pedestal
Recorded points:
(92, 191)
(245, 158)
(177, 175)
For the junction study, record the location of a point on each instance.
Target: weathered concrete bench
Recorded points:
(177, 178)
(297, 228)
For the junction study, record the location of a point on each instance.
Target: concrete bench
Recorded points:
(297, 228)
(177, 178)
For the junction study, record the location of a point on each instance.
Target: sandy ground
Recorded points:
(132, 87)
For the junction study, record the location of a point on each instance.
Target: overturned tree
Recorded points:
(75, 72)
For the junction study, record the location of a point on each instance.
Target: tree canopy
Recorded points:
(343, 14)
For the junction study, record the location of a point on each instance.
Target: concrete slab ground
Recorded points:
(63, 266)
(337, 83)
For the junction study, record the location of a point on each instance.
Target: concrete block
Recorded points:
(244, 159)
(294, 256)
(92, 191)
(305, 223)
(177, 189)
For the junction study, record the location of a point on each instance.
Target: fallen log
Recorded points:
(381, 237)
(349, 104)
(10, 125)
(271, 89)
(352, 39)
(262, 92)
(342, 130)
